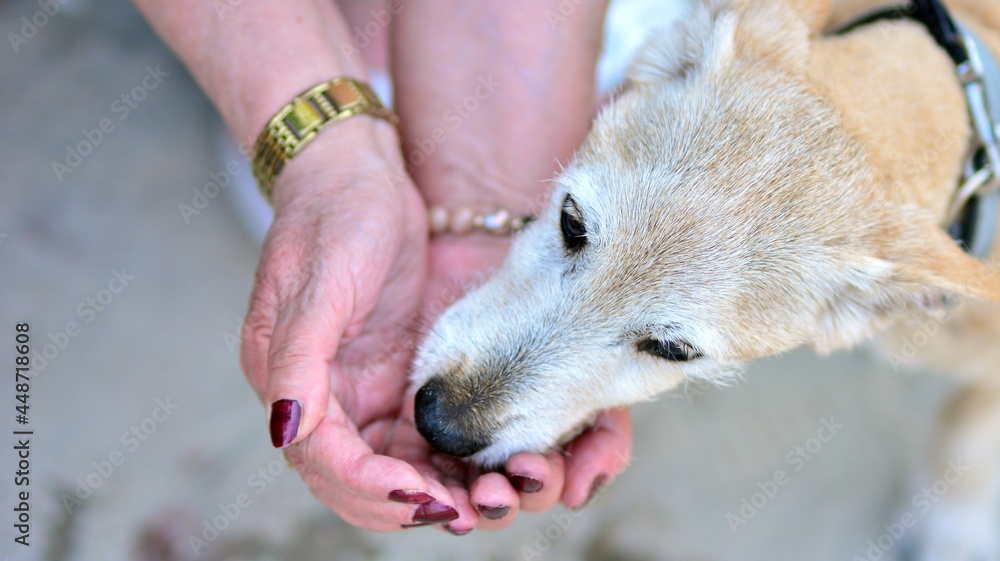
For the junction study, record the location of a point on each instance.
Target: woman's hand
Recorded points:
(328, 338)
(326, 342)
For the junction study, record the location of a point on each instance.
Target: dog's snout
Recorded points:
(438, 427)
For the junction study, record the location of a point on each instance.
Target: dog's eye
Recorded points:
(677, 351)
(573, 231)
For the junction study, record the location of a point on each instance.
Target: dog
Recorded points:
(759, 184)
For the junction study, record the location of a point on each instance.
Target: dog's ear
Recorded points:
(702, 40)
(716, 31)
(918, 271)
(780, 31)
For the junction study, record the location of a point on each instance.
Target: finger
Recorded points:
(374, 515)
(340, 454)
(454, 475)
(359, 485)
(380, 516)
(538, 478)
(597, 456)
(495, 499)
(407, 445)
(302, 346)
(468, 516)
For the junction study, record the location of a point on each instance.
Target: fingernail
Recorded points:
(434, 512)
(525, 484)
(596, 486)
(493, 512)
(285, 416)
(455, 533)
(420, 525)
(410, 497)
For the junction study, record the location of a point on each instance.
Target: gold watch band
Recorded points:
(298, 123)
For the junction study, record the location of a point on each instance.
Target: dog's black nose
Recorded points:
(439, 430)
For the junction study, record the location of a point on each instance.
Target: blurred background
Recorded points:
(145, 431)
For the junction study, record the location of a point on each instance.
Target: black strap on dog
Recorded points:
(974, 211)
(932, 14)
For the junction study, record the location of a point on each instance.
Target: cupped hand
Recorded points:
(328, 337)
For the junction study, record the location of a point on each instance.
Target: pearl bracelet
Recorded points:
(463, 221)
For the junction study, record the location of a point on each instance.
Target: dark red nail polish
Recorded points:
(493, 512)
(285, 416)
(454, 533)
(525, 484)
(435, 512)
(596, 486)
(420, 525)
(410, 497)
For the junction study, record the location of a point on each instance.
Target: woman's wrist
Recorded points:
(490, 130)
(474, 186)
(361, 152)
(293, 70)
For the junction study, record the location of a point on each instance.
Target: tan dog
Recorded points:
(757, 187)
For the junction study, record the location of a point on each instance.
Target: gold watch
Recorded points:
(298, 123)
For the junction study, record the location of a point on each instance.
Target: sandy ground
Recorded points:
(160, 356)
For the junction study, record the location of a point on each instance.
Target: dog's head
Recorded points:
(718, 212)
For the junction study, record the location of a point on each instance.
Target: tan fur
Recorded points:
(912, 119)
(758, 186)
